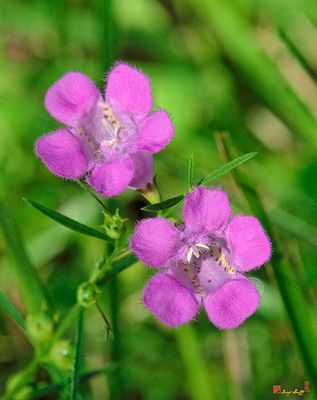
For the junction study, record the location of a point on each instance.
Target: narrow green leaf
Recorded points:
(236, 36)
(47, 390)
(190, 173)
(199, 380)
(164, 205)
(66, 221)
(294, 49)
(117, 267)
(78, 355)
(294, 225)
(11, 311)
(227, 167)
(30, 286)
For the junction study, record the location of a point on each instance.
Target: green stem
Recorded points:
(72, 314)
(20, 379)
(116, 383)
(104, 13)
(78, 356)
(200, 382)
(116, 268)
(7, 306)
(294, 301)
(51, 389)
(90, 191)
(30, 286)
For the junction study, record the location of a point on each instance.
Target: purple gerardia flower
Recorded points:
(110, 138)
(202, 261)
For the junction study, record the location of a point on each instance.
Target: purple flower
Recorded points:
(202, 261)
(110, 138)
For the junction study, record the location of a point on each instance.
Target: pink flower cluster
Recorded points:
(110, 140)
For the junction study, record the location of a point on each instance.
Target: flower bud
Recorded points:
(86, 294)
(24, 393)
(19, 384)
(39, 327)
(114, 225)
(62, 354)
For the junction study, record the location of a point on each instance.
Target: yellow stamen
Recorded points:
(222, 260)
(110, 116)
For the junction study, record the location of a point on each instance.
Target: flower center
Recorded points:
(204, 268)
(222, 260)
(111, 124)
(195, 250)
(198, 248)
(203, 275)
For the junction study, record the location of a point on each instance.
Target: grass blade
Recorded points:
(190, 173)
(11, 311)
(78, 355)
(117, 267)
(29, 284)
(293, 48)
(290, 223)
(263, 76)
(48, 390)
(200, 382)
(229, 166)
(66, 221)
(164, 205)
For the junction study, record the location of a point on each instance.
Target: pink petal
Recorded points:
(113, 178)
(156, 132)
(69, 98)
(62, 153)
(231, 304)
(250, 246)
(154, 241)
(143, 169)
(169, 301)
(206, 209)
(129, 90)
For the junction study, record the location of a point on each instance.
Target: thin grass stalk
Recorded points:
(28, 281)
(78, 356)
(238, 40)
(104, 10)
(200, 382)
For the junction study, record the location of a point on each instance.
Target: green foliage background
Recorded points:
(244, 66)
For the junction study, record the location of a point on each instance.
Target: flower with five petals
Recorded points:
(108, 139)
(202, 261)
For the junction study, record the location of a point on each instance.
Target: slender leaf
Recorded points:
(32, 290)
(117, 267)
(294, 225)
(227, 167)
(236, 36)
(200, 382)
(78, 356)
(164, 205)
(294, 49)
(190, 174)
(47, 390)
(11, 311)
(66, 221)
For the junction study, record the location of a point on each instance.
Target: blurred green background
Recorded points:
(244, 66)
